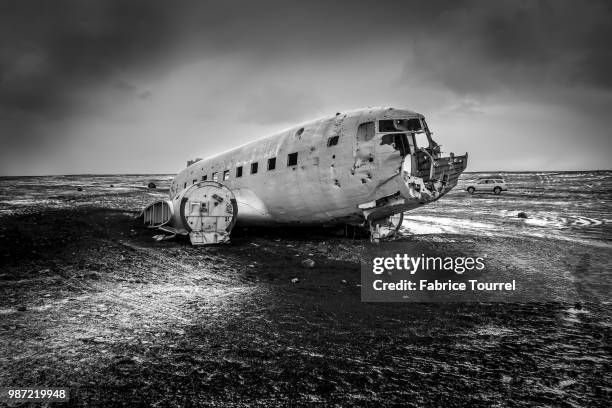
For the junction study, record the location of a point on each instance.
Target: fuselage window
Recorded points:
(365, 132)
(254, 168)
(226, 175)
(332, 141)
(215, 176)
(239, 171)
(292, 159)
(204, 177)
(399, 125)
(272, 163)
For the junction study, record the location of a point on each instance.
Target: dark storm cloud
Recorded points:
(482, 48)
(47, 49)
(68, 61)
(50, 48)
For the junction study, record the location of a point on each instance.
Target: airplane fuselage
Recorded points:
(332, 170)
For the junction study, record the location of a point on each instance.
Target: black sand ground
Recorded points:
(89, 301)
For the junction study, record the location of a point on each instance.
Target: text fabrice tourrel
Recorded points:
(403, 262)
(393, 276)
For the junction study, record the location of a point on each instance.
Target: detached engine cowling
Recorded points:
(205, 211)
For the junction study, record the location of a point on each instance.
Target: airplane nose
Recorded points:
(434, 178)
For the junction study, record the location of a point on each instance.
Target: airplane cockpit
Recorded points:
(409, 136)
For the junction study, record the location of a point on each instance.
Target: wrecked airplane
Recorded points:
(360, 167)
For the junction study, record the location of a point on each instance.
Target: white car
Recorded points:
(495, 185)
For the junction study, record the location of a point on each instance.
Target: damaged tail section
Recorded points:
(205, 211)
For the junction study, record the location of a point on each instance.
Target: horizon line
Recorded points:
(171, 174)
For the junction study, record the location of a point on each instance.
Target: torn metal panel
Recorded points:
(157, 214)
(190, 162)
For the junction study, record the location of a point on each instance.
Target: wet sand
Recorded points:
(89, 301)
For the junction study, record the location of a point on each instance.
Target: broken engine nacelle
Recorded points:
(206, 211)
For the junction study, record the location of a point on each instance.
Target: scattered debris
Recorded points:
(295, 280)
(344, 281)
(79, 188)
(578, 306)
(151, 185)
(162, 237)
(21, 308)
(522, 215)
(308, 263)
(112, 185)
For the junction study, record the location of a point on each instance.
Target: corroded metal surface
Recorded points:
(348, 170)
(206, 211)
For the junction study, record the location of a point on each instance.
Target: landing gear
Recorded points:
(386, 228)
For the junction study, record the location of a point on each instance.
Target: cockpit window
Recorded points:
(400, 125)
(421, 139)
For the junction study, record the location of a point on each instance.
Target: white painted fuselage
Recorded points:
(347, 170)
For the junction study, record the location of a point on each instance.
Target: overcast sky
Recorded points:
(142, 86)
